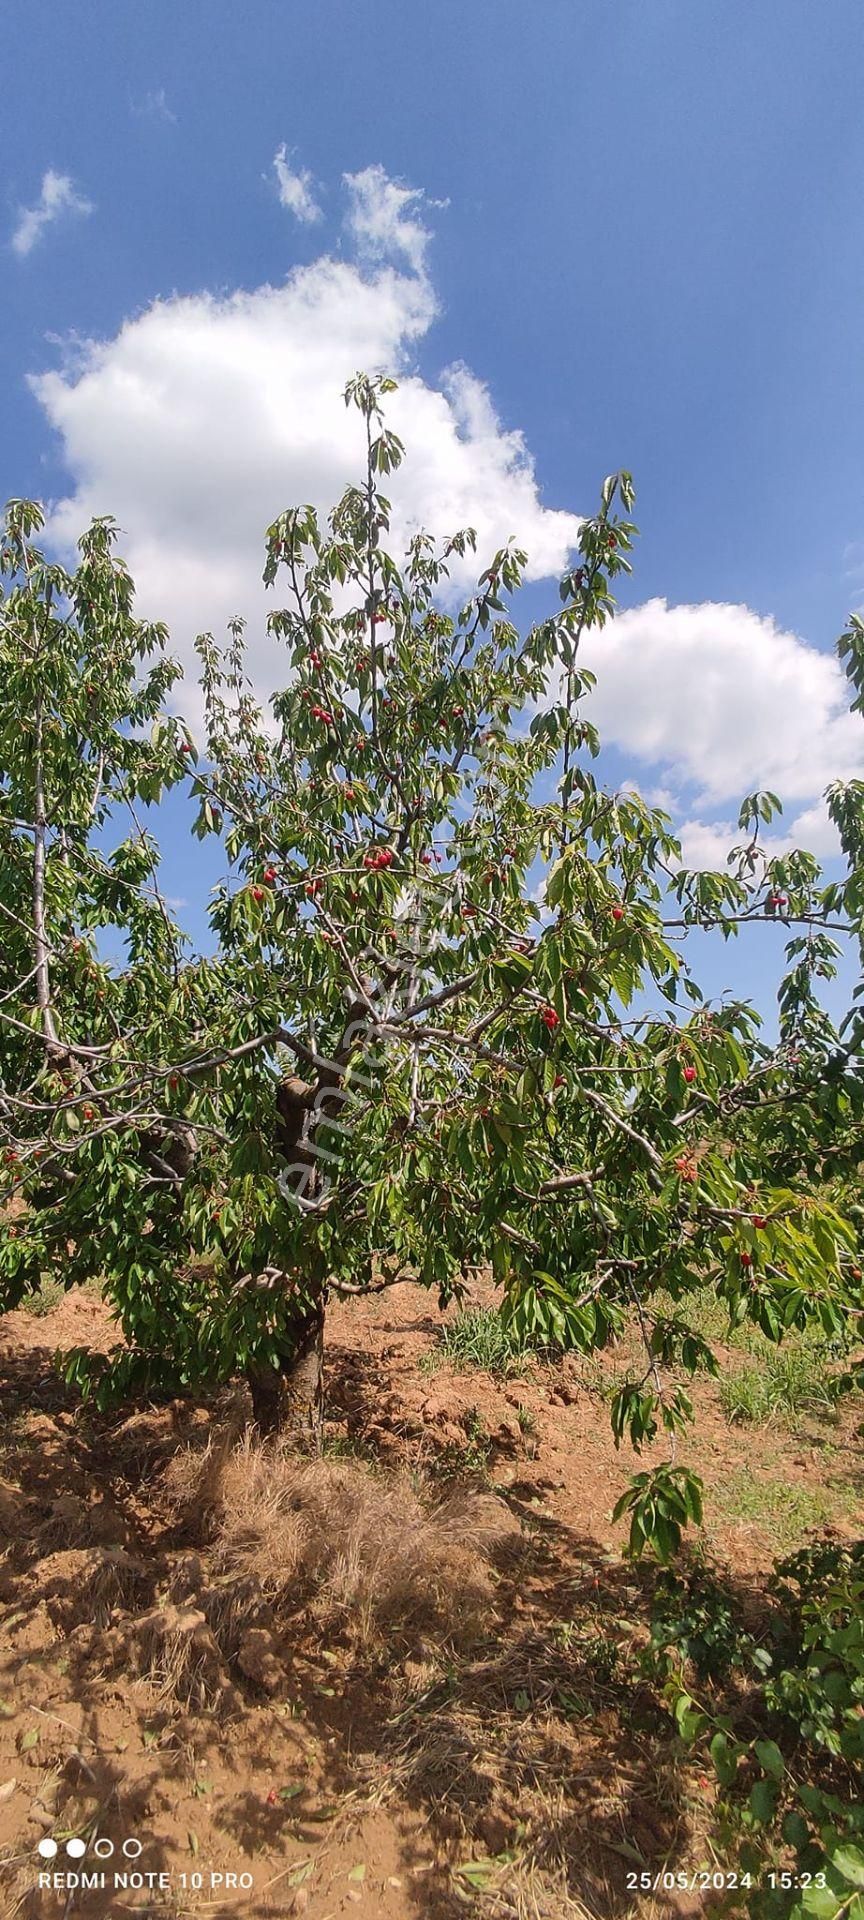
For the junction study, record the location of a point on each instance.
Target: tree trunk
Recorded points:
(290, 1398)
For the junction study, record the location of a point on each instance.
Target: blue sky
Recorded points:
(649, 254)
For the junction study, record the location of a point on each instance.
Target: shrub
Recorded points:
(788, 1748)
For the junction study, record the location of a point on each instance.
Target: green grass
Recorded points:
(48, 1297)
(477, 1339)
(785, 1382)
(775, 1382)
(787, 1513)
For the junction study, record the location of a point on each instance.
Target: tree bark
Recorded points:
(289, 1399)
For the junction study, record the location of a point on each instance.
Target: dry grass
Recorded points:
(89, 1584)
(528, 1894)
(175, 1650)
(366, 1553)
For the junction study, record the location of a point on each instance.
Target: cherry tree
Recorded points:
(421, 1045)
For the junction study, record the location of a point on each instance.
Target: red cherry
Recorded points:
(855, 1272)
(173, 1081)
(425, 859)
(558, 1080)
(314, 658)
(349, 793)
(257, 894)
(185, 747)
(689, 1075)
(759, 1220)
(269, 874)
(469, 913)
(746, 1259)
(617, 913)
(550, 1018)
(384, 858)
(87, 1113)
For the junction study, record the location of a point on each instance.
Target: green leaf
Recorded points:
(724, 1759)
(770, 1758)
(850, 1862)
(763, 1801)
(820, 1902)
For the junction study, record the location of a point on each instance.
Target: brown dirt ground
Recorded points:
(354, 1774)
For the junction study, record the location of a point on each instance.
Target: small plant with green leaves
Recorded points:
(696, 1618)
(788, 1752)
(45, 1298)
(469, 1458)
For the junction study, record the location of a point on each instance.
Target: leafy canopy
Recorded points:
(402, 1054)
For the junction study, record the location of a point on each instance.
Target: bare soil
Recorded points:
(399, 1683)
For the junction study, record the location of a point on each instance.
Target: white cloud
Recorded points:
(708, 843)
(379, 221)
(296, 189)
(155, 104)
(722, 701)
(58, 196)
(206, 416)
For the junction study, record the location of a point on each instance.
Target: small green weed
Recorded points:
(477, 1338)
(471, 1458)
(48, 1297)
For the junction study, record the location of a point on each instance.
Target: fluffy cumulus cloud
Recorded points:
(296, 189)
(206, 416)
(383, 218)
(719, 701)
(58, 199)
